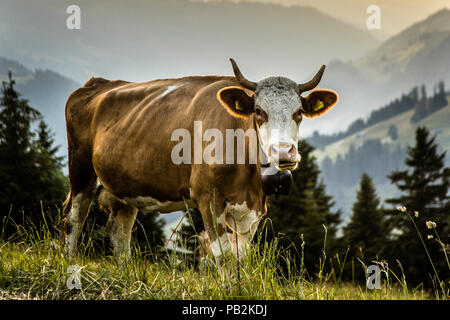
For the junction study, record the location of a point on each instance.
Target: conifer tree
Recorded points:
(393, 132)
(424, 186)
(365, 233)
(17, 155)
(52, 182)
(30, 170)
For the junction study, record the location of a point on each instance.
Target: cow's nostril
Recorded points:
(292, 151)
(273, 151)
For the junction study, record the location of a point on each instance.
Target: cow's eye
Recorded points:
(260, 115)
(298, 115)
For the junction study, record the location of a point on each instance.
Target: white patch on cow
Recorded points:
(242, 219)
(149, 204)
(170, 89)
(221, 246)
(73, 220)
(119, 230)
(243, 222)
(278, 98)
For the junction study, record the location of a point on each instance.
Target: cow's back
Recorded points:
(126, 130)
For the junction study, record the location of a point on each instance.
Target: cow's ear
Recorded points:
(318, 102)
(236, 101)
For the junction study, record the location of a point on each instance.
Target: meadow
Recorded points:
(33, 266)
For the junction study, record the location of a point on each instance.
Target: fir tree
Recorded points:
(393, 132)
(52, 182)
(365, 232)
(18, 175)
(424, 190)
(30, 171)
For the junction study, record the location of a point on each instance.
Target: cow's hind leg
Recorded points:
(79, 207)
(120, 222)
(82, 186)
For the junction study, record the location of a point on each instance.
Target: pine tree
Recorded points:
(421, 109)
(17, 156)
(52, 182)
(365, 233)
(305, 211)
(424, 190)
(393, 132)
(30, 171)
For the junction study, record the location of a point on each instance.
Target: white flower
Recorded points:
(430, 236)
(430, 224)
(402, 209)
(416, 214)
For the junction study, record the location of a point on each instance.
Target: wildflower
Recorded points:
(430, 236)
(402, 209)
(431, 224)
(416, 214)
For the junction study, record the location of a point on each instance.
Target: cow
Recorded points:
(121, 146)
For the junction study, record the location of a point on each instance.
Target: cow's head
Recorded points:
(278, 107)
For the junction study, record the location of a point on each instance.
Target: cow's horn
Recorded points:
(311, 84)
(241, 79)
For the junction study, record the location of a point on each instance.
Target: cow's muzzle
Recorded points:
(284, 156)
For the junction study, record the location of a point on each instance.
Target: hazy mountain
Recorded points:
(418, 55)
(141, 40)
(19, 70)
(376, 162)
(404, 53)
(47, 91)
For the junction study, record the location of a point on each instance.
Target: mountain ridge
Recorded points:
(410, 58)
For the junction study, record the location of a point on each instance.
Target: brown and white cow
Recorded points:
(120, 137)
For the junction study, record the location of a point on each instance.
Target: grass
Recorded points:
(34, 267)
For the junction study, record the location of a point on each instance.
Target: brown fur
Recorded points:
(119, 132)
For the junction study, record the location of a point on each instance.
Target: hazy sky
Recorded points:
(395, 14)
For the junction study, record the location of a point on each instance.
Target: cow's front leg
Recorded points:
(120, 222)
(214, 220)
(243, 222)
(118, 227)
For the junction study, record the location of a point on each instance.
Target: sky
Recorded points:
(396, 15)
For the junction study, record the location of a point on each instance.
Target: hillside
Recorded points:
(437, 122)
(18, 69)
(174, 38)
(167, 38)
(377, 159)
(47, 91)
(418, 55)
(412, 46)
